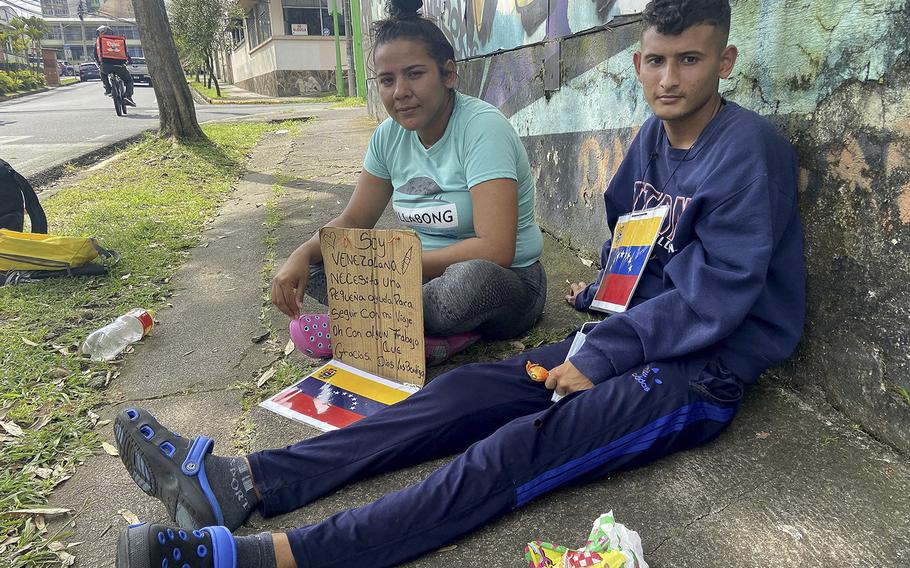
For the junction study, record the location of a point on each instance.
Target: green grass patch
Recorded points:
(203, 89)
(151, 205)
(64, 81)
(212, 96)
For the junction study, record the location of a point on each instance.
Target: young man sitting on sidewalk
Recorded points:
(722, 299)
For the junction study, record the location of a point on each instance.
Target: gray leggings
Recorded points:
(475, 295)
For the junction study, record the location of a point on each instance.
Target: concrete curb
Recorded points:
(52, 174)
(5, 98)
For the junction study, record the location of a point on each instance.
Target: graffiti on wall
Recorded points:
(482, 27)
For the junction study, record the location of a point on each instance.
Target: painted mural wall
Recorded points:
(834, 75)
(483, 27)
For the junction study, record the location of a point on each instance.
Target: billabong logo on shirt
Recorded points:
(430, 211)
(437, 217)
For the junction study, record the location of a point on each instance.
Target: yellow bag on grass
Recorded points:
(35, 251)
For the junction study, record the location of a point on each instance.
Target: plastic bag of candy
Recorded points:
(610, 545)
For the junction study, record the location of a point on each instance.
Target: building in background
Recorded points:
(285, 47)
(73, 38)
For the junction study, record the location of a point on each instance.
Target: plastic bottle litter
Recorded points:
(106, 343)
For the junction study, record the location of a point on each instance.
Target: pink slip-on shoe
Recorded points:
(440, 349)
(310, 334)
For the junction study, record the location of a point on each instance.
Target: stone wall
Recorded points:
(290, 83)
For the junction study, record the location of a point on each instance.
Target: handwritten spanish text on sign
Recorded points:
(375, 291)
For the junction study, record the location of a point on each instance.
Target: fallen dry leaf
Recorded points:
(56, 546)
(58, 372)
(27, 342)
(265, 377)
(49, 511)
(129, 516)
(587, 262)
(289, 348)
(42, 422)
(43, 472)
(66, 559)
(102, 423)
(40, 523)
(111, 450)
(762, 435)
(12, 429)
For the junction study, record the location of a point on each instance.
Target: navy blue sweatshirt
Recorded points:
(726, 279)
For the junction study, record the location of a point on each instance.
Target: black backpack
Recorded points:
(17, 197)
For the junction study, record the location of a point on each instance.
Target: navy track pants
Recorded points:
(516, 446)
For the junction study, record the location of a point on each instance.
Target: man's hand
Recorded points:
(574, 290)
(566, 378)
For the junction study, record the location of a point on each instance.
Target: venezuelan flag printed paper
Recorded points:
(633, 239)
(336, 395)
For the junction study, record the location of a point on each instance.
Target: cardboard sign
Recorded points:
(336, 395)
(633, 239)
(375, 290)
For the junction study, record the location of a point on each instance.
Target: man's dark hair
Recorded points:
(673, 17)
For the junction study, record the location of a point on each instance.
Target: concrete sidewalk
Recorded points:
(790, 484)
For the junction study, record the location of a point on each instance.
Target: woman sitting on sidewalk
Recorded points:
(456, 173)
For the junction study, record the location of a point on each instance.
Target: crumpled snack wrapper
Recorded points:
(610, 545)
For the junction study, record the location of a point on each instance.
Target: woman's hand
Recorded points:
(371, 195)
(289, 284)
(575, 289)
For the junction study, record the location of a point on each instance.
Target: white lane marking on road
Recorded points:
(100, 137)
(12, 139)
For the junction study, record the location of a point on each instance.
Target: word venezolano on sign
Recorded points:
(375, 291)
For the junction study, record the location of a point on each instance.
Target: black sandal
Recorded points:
(153, 546)
(168, 467)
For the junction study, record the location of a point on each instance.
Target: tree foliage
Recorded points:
(24, 34)
(200, 30)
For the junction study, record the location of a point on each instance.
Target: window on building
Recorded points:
(74, 33)
(237, 35)
(128, 32)
(54, 8)
(258, 26)
(311, 17)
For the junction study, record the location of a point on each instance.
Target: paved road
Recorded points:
(47, 129)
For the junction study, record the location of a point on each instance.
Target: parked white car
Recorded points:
(139, 70)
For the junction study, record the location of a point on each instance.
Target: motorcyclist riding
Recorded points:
(110, 54)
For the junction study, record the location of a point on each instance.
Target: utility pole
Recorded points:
(358, 50)
(348, 36)
(339, 86)
(80, 11)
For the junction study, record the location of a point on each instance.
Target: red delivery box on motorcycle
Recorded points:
(112, 48)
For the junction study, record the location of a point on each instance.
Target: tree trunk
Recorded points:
(177, 115)
(208, 62)
(349, 36)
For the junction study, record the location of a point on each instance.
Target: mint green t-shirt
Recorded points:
(432, 186)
